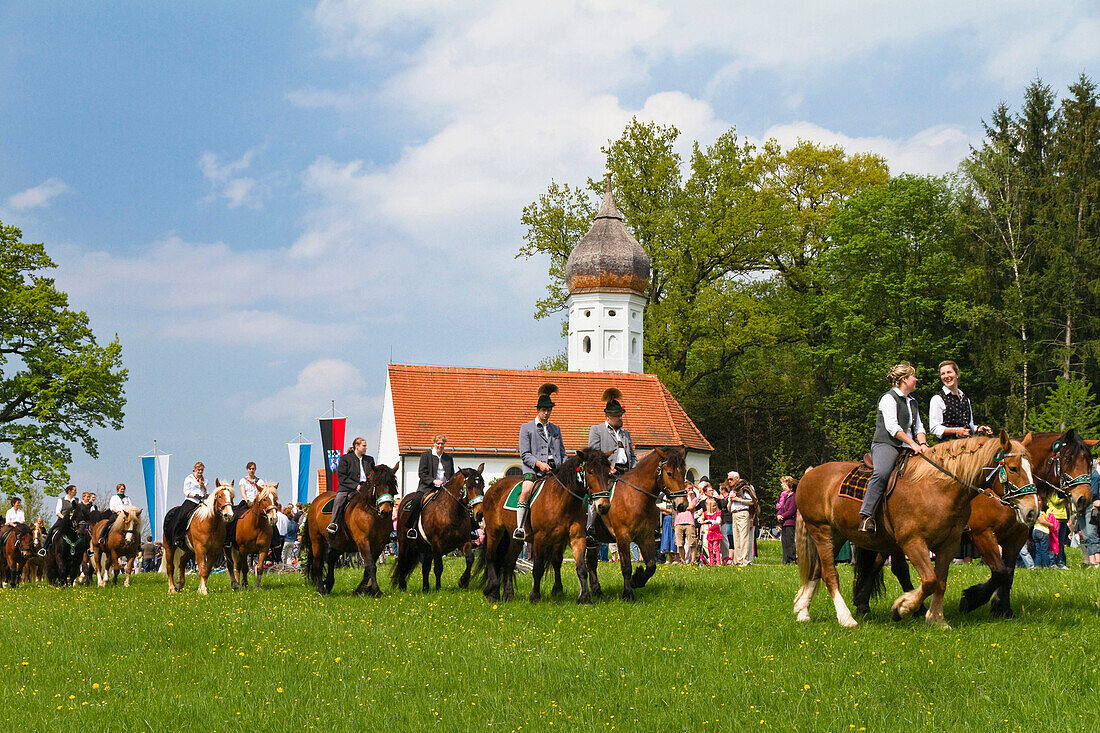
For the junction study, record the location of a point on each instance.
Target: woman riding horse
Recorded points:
(203, 538)
(445, 524)
(633, 515)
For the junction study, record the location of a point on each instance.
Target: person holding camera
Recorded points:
(541, 449)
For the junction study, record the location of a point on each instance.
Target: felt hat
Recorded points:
(612, 396)
(544, 396)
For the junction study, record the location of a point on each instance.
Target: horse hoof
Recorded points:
(863, 610)
(965, 604)
(803, 616)
(895, 613)
(463, 582)
(597, 592)
(849, 623)
(534, 598)
(584, 601)
(628, 596)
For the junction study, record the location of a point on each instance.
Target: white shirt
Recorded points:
(193, 490)
(439, 467)
(362, 473)
(281, 523)
(117, 502)
(936, 407)
(620, 452)
(14, 515)
(249, 489)
(888, 406)
(61, 503)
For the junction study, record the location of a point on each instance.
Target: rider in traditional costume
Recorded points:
(435, 469)
(949, 412)
(114, 506)
(194, 493)
(607, 436)
(541, 449)
(897, 426)
(352, 471)
(250, 485)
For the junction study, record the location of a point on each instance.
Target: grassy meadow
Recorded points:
(701, 648)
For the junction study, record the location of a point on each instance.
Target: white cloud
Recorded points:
(226, 185)
(270, 331)
(934, 151)
(39, 196)
(318, 383)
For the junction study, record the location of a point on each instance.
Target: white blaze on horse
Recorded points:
(205, 538)
(123, 540)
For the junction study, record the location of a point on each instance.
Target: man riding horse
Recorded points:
(354, 469)
(436, 469)
(541, 449)
(608, 436)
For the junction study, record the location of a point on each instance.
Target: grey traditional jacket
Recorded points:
(603, 439)
(533, 447)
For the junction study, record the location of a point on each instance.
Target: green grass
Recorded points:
(710, 647)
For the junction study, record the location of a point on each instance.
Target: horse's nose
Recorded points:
(1082, 502)
(1031, 516)
(602, 508)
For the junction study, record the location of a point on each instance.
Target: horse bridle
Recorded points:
(1011, 492)
(462, 499)
(1065, 484)
(658, 479)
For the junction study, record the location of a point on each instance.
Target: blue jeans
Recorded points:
(1025, 558)
(1042, 548)
(1090, 537)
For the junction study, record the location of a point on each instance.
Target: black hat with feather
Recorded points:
(612, 396)
(545, 403)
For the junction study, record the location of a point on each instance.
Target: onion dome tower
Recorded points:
(607, 275)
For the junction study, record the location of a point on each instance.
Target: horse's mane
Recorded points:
(566, 471)
(1074, 445)
(206, 508)
(964, 457)
(123, 514)
(265, 492)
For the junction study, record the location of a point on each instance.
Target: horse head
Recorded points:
(383, 487)
(592, 471)
(222, 503)
(1074, 474)
(671, 477)
(39, 537)
(267, 503)
(1012, 474)
(473, 489)
(130, 523)
(79, 520)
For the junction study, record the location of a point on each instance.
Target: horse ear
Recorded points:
(139, 511)
(1091, 443)
(1004, 439)
(661, 452)
(396, 466)
(274, 486)
(1026, 441)
(1070, 435)
(481, 467)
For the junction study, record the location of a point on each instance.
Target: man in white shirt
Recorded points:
(65, 501)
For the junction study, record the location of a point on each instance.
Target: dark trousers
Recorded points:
(341, 501)
(884, 457)
(787, 538)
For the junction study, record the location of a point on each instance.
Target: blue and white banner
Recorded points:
(155, 470)
(299, 470)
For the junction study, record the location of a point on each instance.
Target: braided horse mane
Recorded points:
(966, 458)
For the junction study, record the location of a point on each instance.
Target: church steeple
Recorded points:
(607, 275)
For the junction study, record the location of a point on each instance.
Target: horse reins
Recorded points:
(1011, 491)
(656, 496)
(1065, 484)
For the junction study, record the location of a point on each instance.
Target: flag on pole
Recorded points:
(155, 470)
(332, 443)
(299, 469)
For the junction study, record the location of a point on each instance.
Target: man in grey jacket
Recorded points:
(541, 450)
(609, 436)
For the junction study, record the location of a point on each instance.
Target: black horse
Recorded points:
(66, 544)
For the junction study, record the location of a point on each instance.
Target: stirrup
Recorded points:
(590, 540)
(867, 525)
(520, 534)
(333, 528)
(412, 534)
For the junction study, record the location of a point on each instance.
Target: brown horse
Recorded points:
(34, 569)
(19, 543)
(445, 525)
(252, 534)
(368, 521)
(557, 518)
(1062, 466)
(205, 538)
(123, 540)
(926, 512)
(633, 515)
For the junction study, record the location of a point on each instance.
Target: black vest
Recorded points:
(956, 410)
(907, 419)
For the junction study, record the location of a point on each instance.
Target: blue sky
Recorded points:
(267, 201)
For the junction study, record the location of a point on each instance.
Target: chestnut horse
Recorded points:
(19, 543)
(446, 524)
(368, 521)
(123, 540)
(1062, 465)
(557, 517)
(205, 538)
(926, 512)
(252, 534)
(34, 569)
(633, 515)
(66, 543)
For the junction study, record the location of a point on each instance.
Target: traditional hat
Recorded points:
(612, 396)
(544, 396)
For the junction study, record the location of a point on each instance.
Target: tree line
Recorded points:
(786, 282)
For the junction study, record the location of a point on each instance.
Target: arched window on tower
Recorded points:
(586, 344)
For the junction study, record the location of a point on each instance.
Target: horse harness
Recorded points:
(1065, 483)
(1011, 492)
(659, 479)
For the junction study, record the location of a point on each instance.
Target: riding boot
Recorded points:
(521, 519)
(338, 505)
(413, 510)
(590, 532)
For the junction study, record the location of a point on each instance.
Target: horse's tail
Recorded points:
(306, 552)
(407, 560)
(809, 563)
(869, 582)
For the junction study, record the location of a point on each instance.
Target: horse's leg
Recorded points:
(580, 547)
(492, 568)
(425, 570)
(232, 567)
(626, 566)
(114, 567)
(468, 551)
(330, 568)
(169, 562)
(508, 573)
(203, 566)
(129, 569)
(644, 572)
(935, 609)
(978, 595)
(438, 569)
(558, 557)
(1001, 604)
(369, 584)
(539, 556)
(822, 538)
(917, 552)
(258, 571)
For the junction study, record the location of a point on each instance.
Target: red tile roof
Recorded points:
(481, 410)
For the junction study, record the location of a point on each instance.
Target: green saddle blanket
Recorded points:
(512, 502)
(327, 507)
